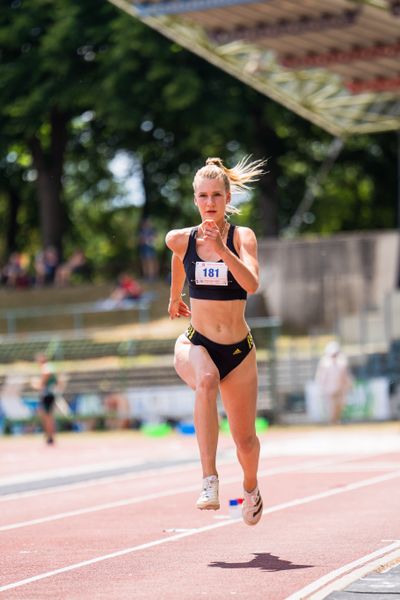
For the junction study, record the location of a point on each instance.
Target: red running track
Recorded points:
(331, 506)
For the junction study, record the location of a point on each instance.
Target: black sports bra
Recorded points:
(217, 282)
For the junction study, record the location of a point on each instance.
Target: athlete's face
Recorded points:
(211, 198)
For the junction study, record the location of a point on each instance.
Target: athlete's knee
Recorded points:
(208, 381)
(246, 444)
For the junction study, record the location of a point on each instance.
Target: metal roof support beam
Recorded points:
(379, 84)
(176, 7)
(341, 56)
(304, 24)
(317, 94)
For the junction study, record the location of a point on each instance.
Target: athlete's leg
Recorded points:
(239, 396)
(48, 422)
(194, 365)
(337, 404)
(49, 426)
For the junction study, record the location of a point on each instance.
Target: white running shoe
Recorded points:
(252, 507)
(208, 499)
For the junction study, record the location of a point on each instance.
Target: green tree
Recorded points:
(48, 74)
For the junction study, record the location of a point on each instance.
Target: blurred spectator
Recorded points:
(47, 389)
(127, 289)
(147, 250)
(334, 380)
(117, 410)
(76, 265)
(15, 272)
(46, 264)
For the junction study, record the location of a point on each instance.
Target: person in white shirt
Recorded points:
(334, 380)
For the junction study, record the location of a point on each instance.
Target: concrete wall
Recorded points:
(378, 327)
(312, 282)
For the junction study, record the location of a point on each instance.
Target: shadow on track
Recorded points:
(264, 561)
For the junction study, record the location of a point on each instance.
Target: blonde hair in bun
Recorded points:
(236, 179)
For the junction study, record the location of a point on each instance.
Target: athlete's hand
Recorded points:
(211, 234)
(178, 308)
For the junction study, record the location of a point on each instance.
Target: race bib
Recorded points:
(211, 273)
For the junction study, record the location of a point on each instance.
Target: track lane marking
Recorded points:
(359, 468)
(68, 471)
(164, 469)
(95, 482)
(159, 542)
(147, 497)
(339, 578)
(349, 487)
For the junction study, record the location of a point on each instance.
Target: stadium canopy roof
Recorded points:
(334, 62)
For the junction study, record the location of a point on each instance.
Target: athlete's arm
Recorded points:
(176, 241)
(177, 307)
(245, 267)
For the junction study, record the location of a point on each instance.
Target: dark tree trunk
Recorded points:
(49, 165)
(14, 202)
(148, 195)
(266, 145)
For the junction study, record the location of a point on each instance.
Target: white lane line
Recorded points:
(159, 542)
(99, 507)
(360, 468)
(167, 470)
(69, 471)
(140, 474)
(344, 576)
(147, 497)
(97, 482)
(334, 491)
(117, 554)
(226, 458)
(149, 473)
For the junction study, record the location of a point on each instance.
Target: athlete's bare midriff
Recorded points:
(221, 321)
